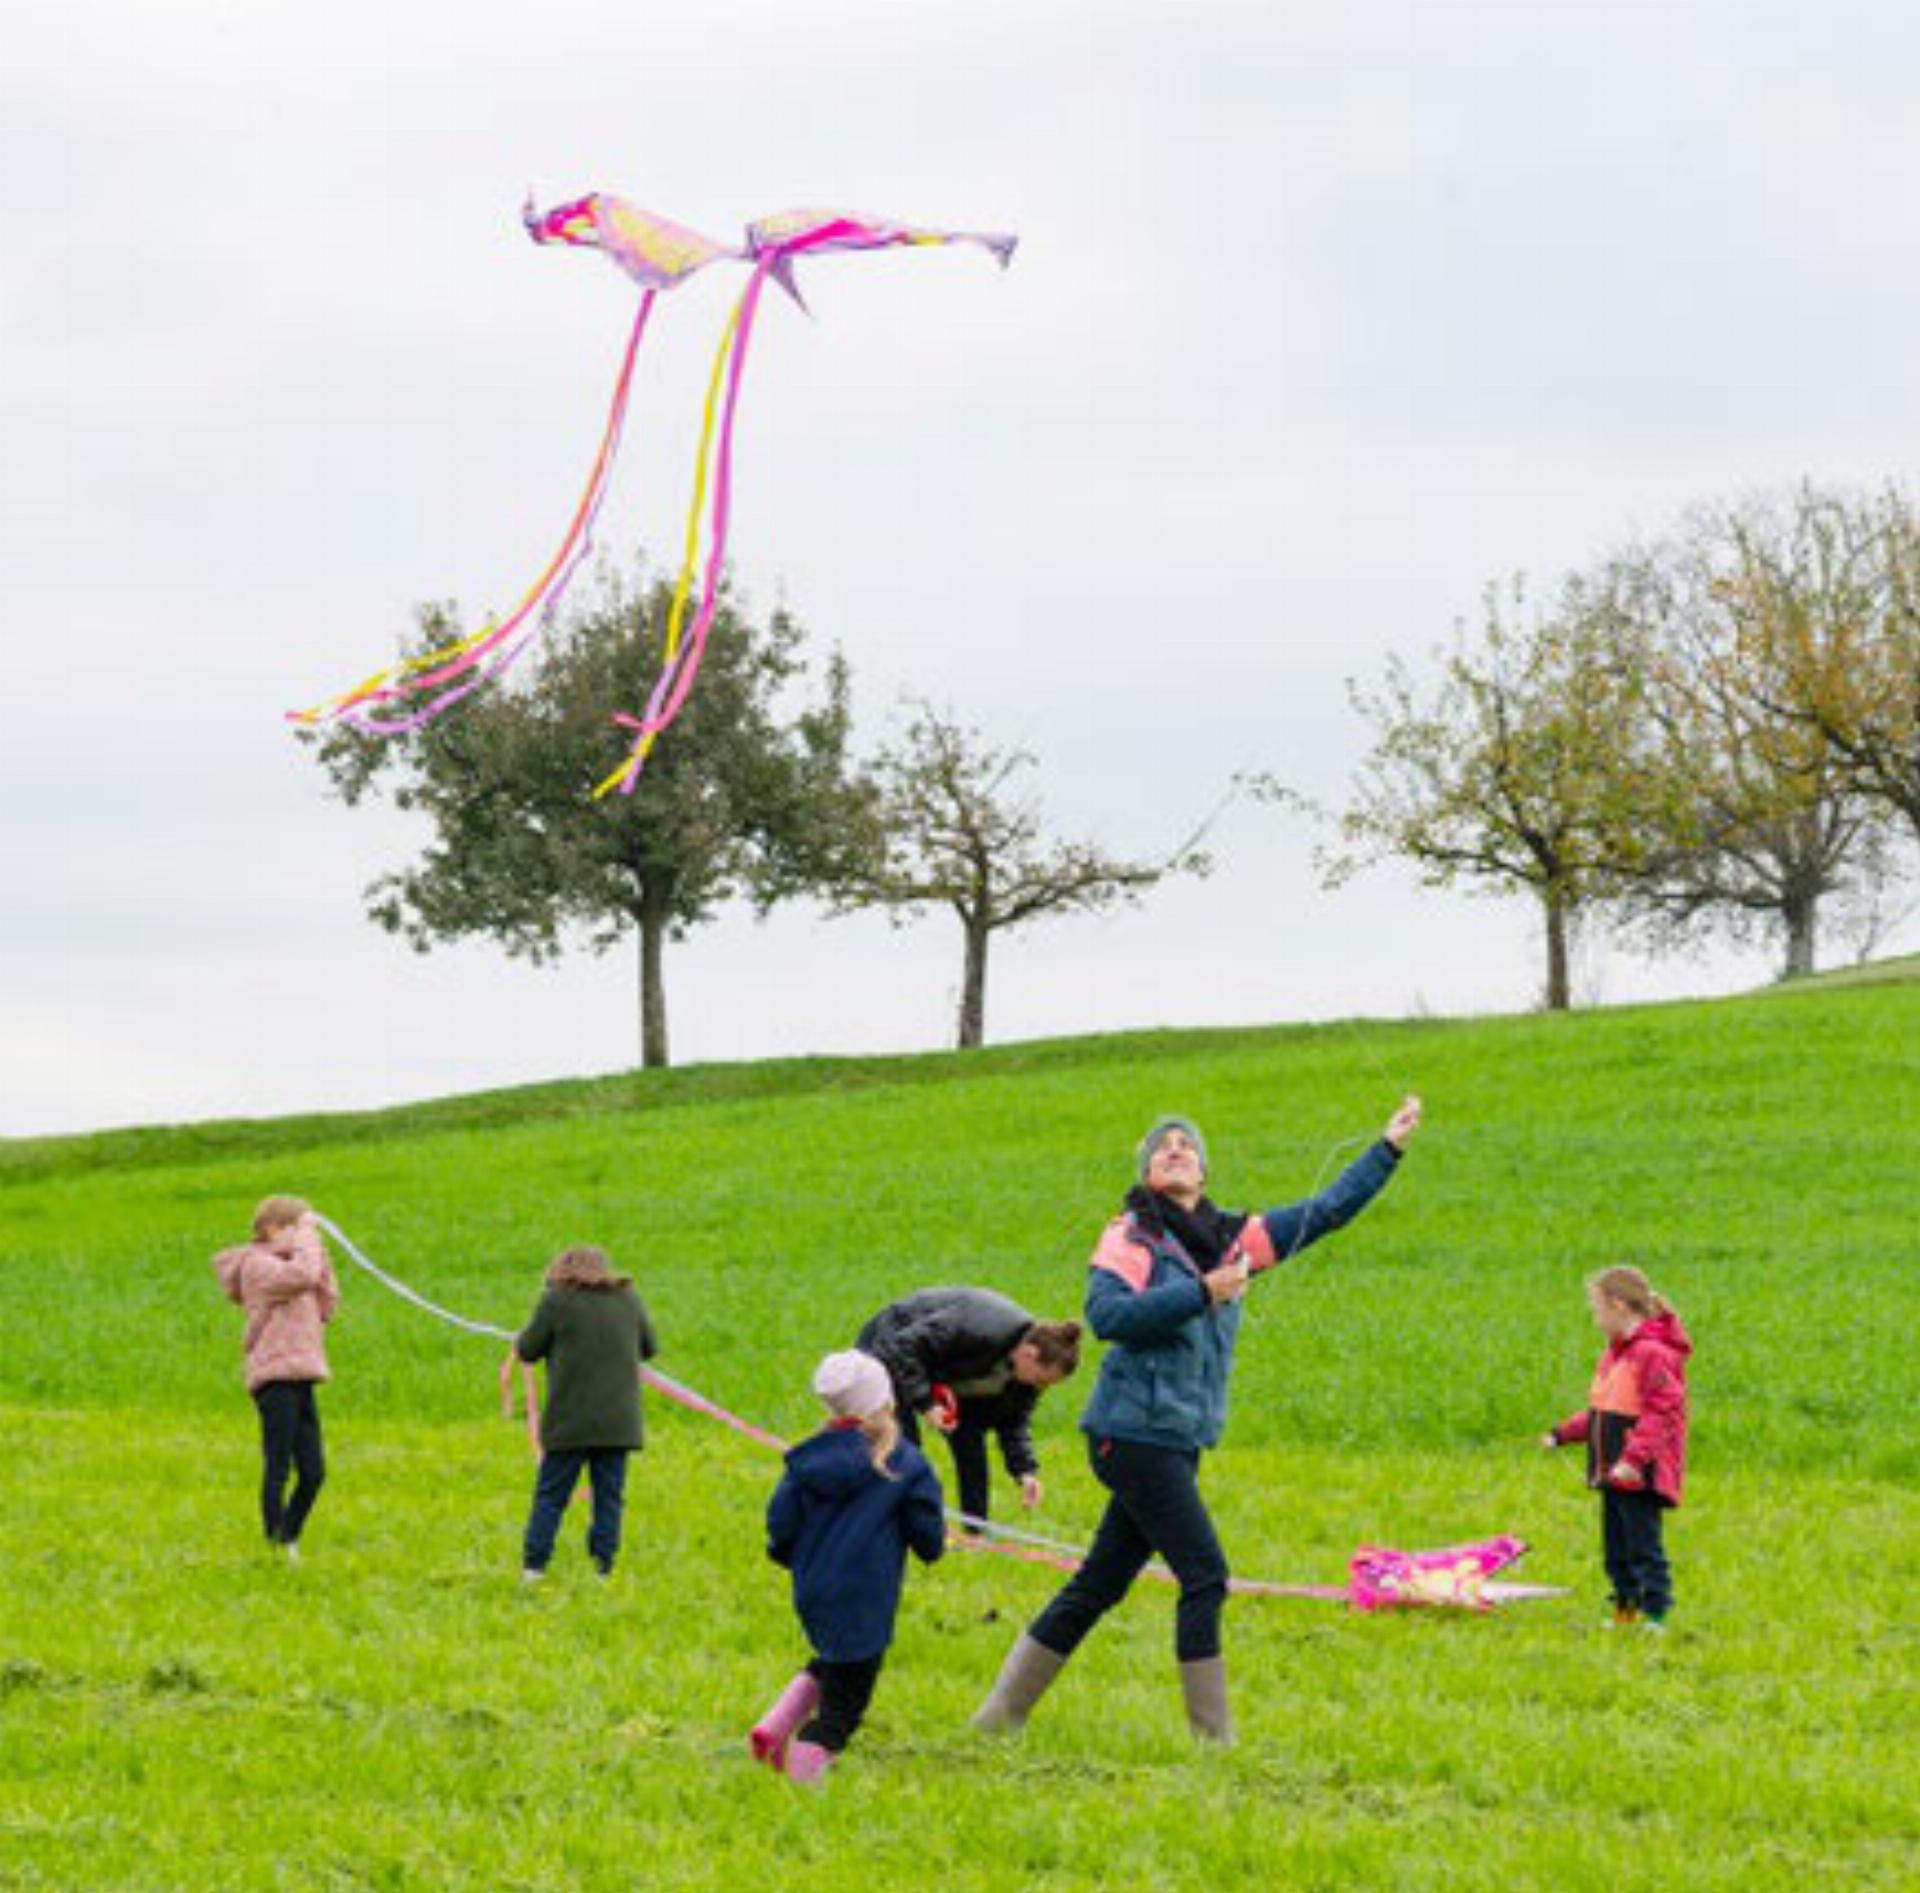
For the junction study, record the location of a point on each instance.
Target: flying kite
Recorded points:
(659, 255)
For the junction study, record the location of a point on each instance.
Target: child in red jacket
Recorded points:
(1635, 1431)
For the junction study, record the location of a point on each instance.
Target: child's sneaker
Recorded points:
(1654, 1626)
(292, 1550)
(1624, 1617)
(532, 1574)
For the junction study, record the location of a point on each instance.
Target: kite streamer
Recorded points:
(1377, 1579)
(659, 255)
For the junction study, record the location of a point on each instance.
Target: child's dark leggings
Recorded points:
(845, 1691)
(1636, 1558)
(290, 1440)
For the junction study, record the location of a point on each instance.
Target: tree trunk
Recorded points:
(1801, 916)
(973, 987)
(655, 902)
(1559, 986)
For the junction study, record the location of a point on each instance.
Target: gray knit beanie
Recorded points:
(1151, 1142)
(854, 1385)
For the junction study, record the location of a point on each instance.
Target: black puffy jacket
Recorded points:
(943, 1336)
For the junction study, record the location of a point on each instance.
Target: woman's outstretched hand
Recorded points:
(1403, 1123)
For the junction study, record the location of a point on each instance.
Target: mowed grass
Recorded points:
(176, 1710)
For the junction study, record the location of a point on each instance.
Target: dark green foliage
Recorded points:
(748, 796)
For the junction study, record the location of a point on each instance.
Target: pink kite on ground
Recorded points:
(1460, 1578)
(1390, 1580)
(659, 255)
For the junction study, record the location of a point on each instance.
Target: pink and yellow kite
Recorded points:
(659, 255)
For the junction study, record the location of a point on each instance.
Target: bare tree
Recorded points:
(956, 828)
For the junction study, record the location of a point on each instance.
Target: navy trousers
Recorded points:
(1630, 1530)
(606, 1469)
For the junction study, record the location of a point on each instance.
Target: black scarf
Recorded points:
(1205, 1231)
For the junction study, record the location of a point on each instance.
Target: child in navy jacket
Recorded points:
(855, 1498)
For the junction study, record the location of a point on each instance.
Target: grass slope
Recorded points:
(177, 1711)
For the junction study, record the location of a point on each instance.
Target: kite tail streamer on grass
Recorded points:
(403, 1291)
(487, 653)
(1377, 1578)
(664, 1384)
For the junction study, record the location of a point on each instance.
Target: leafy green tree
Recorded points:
(1517, 768)
(748, 796)
(957, 828)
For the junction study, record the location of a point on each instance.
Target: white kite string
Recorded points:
(985, 1534)
(1005, 1537)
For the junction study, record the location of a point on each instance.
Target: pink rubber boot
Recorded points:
(808, 1762)
(774, 1730)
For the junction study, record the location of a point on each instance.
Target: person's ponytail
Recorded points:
(881, 1431)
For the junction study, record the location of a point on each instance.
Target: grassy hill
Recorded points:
(176, 1710)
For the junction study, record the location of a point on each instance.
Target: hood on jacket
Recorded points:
(834, 1464)
(1666, 1330)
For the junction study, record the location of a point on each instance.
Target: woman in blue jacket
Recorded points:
(1164, 1289)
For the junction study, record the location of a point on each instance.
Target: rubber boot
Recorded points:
(808, 1762)
(1024, 1678)
(1205, 1686)
(774, 1730)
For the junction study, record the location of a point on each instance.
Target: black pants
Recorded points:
(1155, 1507)
(606, 1470)
(290, 1442)
(845, 1691)
(979, 1421)
(1630, 1525)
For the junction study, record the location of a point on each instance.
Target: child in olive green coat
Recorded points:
(593, 1332)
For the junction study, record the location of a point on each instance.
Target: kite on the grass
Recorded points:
(1462, 1576)
(659, 255)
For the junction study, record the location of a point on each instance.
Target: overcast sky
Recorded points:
(1323, 316)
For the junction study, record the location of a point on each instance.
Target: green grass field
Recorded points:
(177, 1710)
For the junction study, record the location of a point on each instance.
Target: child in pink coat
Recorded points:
(286, 1284)
(1634, 1428)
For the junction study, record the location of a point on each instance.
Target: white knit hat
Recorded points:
(854, 1385)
